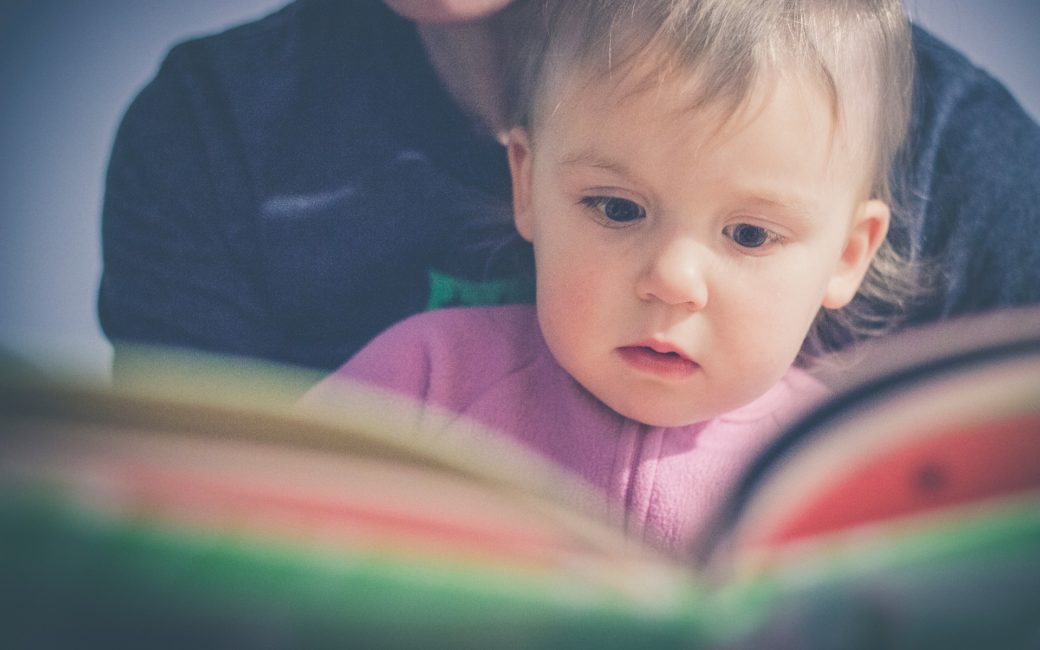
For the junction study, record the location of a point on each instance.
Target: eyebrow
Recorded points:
(591, 158)
(788, 203)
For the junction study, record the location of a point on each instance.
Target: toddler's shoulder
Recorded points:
(460, 340)
(449, 356)
(468, 326)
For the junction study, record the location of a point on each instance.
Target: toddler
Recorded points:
(705, 187)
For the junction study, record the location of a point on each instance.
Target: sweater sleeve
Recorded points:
(171, 276)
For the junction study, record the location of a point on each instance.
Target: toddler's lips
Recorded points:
(667, 365)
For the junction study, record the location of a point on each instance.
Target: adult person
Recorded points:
(289, 188)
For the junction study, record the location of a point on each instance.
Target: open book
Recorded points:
(196, 506)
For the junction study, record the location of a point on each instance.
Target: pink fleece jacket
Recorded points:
(491, 365)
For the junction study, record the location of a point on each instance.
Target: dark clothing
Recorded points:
(285, 189)
(973, 186)
(281, 190)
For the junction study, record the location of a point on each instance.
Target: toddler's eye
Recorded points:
(749, 236)
(615, 209)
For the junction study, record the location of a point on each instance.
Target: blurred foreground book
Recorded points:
(195, 507)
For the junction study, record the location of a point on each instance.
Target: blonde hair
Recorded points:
(858, 50)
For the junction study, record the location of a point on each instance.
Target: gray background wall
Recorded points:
(68, 68)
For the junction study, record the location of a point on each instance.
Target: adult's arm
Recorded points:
(974, 186)
(176, 266)
(286, 190)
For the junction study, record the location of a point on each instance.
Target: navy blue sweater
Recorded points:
(287, 189)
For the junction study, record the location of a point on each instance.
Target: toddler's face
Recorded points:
(681, 260)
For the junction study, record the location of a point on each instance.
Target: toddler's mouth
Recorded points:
(669, 364)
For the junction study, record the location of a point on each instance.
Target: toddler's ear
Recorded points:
(519, 150)
(865, 237)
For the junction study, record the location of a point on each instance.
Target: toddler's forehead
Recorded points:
(678, 98)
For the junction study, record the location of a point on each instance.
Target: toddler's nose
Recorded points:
(675, 275)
